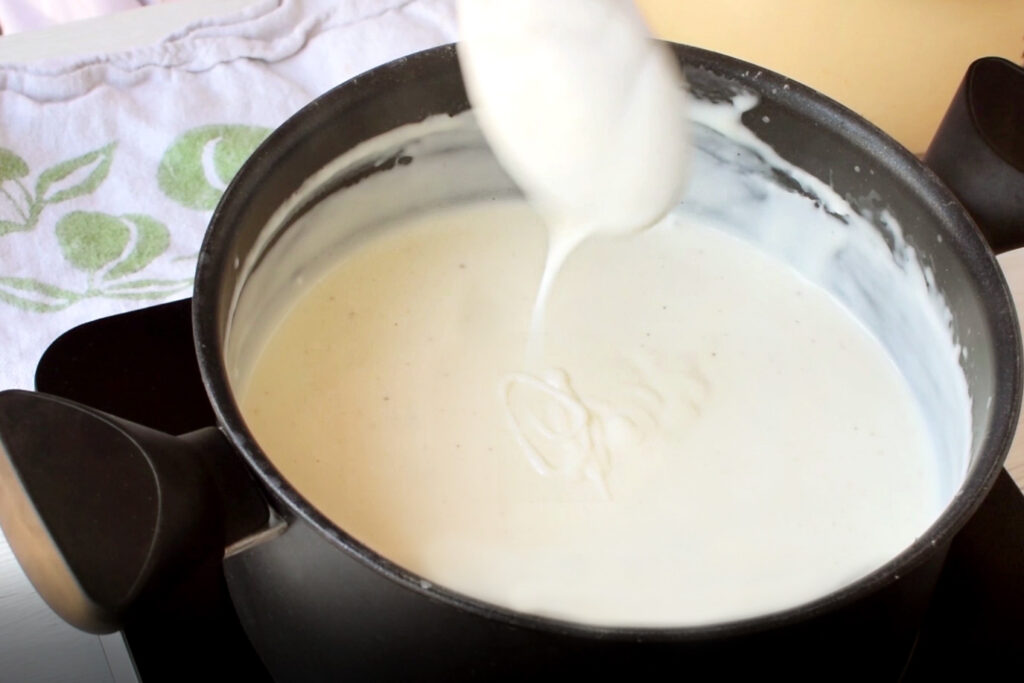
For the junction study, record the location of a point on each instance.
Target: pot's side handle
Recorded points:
(104, 514)
(978, 150)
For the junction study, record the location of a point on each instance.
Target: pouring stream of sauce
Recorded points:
(588, 116)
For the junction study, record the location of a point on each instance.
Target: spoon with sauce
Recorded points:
(588, 115)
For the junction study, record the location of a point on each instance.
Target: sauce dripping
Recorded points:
(588, 116)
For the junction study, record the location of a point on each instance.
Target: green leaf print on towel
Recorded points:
(33, 295)
(197, 168)
(20, 209)
(11, 165)
(75, 177)
(108, 249)
(153, 240)
(92, 240)
(12, 169)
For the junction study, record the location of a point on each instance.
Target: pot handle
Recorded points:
(105, 515)
(978, 150)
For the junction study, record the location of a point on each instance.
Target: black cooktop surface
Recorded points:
(141, 366)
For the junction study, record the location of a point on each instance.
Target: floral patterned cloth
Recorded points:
(110, 165)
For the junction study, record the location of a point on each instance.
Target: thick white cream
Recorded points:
(730, 468)
(580, 106)
(587, 114)
(583, 110)
(754, 447)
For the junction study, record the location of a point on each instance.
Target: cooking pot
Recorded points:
(108, 517)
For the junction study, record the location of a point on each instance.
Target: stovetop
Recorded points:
(141, 366)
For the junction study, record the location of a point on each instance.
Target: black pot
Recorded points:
(107, 517)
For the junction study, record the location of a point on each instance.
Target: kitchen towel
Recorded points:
(29, 15)
(111, 164)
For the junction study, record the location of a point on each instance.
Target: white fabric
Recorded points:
(28, 15)
(89, 223)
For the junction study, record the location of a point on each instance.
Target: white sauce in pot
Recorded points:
(758, 450)
(756, 447)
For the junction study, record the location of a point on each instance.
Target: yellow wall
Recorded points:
(896, 62)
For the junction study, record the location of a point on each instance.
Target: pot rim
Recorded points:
(211, 307)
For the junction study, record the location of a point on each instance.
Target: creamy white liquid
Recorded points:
(734, 487)
(759, 447)
(587, 114)
(583, 110)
